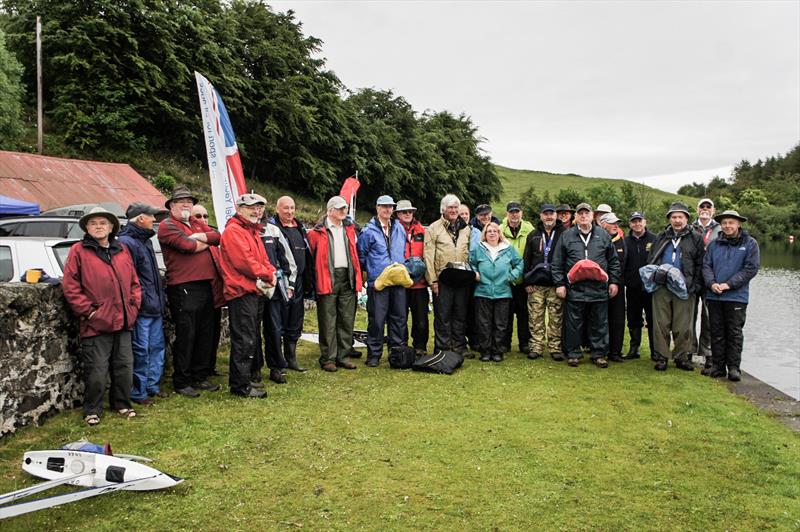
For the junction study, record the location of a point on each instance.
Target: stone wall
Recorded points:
(39, 363)
(40, 371)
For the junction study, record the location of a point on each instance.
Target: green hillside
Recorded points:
(516, 182)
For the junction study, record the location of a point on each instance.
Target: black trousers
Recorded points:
(245, 340)
(616, 322)
(272, 327)
(640, 302)
(192, 309)
(104, 355)
(450, 317)
(595, 316)
(726, 321)
(293, 313)
(417, 306)
(491, 321)
(518, 308)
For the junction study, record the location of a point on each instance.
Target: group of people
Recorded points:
(570, 281)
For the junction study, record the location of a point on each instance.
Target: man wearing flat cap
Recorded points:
(101, 287)
(730, 263)
(191, 270)
(337, 278)
(247, 274)
(148, 331)
(681, 248)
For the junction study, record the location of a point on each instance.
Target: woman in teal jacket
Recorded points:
(496, 264)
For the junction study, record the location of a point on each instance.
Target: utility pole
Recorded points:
(39, 141)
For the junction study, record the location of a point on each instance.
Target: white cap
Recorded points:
(603, 207)
(705, 200)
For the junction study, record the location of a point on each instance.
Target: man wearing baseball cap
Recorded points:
(148, 332)
(516, 231)
(603, 208)
(616, 305)
(638, 243)
(730, 263)
(682, 248)
(383, 242)
(248, 274)
(337, 278)
(709, 229)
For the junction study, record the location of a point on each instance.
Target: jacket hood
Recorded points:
(134, 231)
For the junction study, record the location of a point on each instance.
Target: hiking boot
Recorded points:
(600, 362)
(497, 357)
(253, 393)
(206, 386)
(486, 357)
(276, 376)
(661, 365)
(734, 374)
(188, 392)
(574, 362)
(717, 372)
(685, 365)
(616, 358)
(557, 356)
(533, 355)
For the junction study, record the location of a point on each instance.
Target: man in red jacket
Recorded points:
(337, 277)
(186, 244)
(417, 297)
(247, 274)
(102, 289)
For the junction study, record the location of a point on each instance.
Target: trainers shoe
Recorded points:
(206, 386)
(574, 362)
(533, 355)
(486, 357)
(661, 365)
(188, 392)
(497, 357)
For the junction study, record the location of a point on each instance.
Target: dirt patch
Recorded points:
(779, 405)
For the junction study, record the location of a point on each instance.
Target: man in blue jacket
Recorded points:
(731, 261)
(148, 332)
(381, 243)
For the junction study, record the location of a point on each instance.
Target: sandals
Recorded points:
(92, 420)
(127, 413)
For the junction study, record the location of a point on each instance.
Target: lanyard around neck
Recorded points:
(585, 242)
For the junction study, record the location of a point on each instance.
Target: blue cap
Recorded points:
(385, 200)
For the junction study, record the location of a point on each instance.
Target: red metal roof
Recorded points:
(55, 182)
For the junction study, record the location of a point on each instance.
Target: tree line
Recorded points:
(767, 192)
(118, 79)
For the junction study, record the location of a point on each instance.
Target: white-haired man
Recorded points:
(447, 240)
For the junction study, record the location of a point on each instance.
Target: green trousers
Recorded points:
(673, 317)
(336, 313)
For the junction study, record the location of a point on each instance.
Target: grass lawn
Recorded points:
(519, 445)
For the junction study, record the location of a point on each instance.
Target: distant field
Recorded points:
(516, 182)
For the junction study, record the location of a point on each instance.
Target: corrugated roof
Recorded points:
(55, 182)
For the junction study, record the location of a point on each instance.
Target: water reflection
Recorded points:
(772, 332)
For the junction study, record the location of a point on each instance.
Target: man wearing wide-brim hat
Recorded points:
(564, 213)
(731, 261)
(417, 293)
(102, 289)
(679, 246)
(191, 271)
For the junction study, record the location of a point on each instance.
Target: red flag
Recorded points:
(350, 189)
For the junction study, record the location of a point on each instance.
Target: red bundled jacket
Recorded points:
(319, 242)
(110, 289)
(183, 263)
(243, 258)
(415, 247)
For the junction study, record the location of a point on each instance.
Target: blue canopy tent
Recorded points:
(15, 207)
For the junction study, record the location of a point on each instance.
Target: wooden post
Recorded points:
(39, 140)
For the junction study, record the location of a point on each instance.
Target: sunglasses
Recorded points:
(201, 216)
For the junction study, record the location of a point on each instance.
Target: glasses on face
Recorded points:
(201, 216)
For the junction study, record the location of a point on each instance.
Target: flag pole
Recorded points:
(353, 206)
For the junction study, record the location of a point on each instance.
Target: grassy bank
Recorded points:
(518, 445)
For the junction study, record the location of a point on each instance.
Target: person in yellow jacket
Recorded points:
(447, 240)
(516, 231)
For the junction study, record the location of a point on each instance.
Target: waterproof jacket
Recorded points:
(691, 255)
(279, 254)
(708, 233)
(243, 258)
(536, 245)
(638, 251)
(184, 265)
(375, 253)
(103, 281)
(518, 241)
(571, 249)
(445, 242)
(733, 261)
(415, 247)
(137, 240)
(320, 241)
(296, 237)
(496, 274)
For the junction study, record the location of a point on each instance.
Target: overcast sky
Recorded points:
(666, 92)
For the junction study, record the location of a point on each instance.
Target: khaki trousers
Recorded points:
(544, 300)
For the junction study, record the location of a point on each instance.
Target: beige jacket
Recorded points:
(440, 249)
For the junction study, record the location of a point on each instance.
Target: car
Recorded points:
(44, 226)
(21, 253)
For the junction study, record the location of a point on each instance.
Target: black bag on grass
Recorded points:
(439, 362)
(402, 357)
